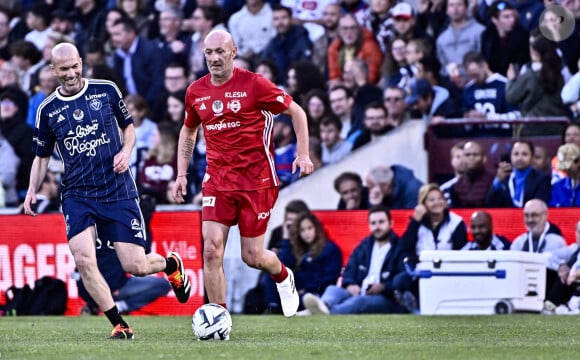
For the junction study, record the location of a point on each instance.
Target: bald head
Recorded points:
(536, 205)
(481, 216)
(219, 38)
(64, 51)
(481, 229)
(535, 216)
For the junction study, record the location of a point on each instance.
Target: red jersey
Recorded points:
(237, 120)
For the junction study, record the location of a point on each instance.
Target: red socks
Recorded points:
(225, 306)
(281, 276)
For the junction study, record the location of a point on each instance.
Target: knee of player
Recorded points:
(212, 253)
(253, 258)
(85, 262)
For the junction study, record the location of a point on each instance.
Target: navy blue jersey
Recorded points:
(85, 128)
(489, 98)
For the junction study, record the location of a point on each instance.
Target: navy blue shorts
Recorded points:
(118, 221)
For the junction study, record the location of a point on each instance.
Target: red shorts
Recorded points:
(249, 209)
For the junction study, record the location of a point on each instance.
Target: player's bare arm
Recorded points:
(37, 174)
(300, 124)
(185, 146)
(121, 159)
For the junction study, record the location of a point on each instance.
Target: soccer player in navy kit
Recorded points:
(85, 119)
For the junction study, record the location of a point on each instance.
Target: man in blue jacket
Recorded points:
(367, 281)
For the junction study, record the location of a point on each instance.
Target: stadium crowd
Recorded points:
(359, 69)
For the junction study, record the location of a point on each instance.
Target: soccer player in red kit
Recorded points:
(236, 109)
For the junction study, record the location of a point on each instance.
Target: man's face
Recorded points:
(375, 120)
(458, 160)
(340, 104)
(423, 104)
(348, 30)
(63, 26)
(476, 72)
(281, 21)
(403, 26)
(474, 156)
(456, 10)
(481, 229)
(572, 135)
(121, 38)
(541, 160)
(535, 218)
(521, 156)
(329, 135)
(351, 193)
(394, 101)
(168, 23)
(4, 26)
(505, 21)
(330, 16)
(219, 55)
(379, 225)
(175, 79)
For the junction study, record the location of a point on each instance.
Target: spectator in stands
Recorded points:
(308, 14)
(353, 195)
(570, 136)
(176, 78)
(432, 103)
(138, 61)
(429, 68)
(504, 41)
(160, 165)
(136, 10)
(251, 28)
(269, 70)
(315, 259)
(27, 59)
(341, 103)
(330, 17)
(355, 8)
(404, 22)
(130, 293)
(175, 108)
(459, 167)
(540, 237)
(379, 21)
(471, 189)
(146, 132)
(516, 182)
(8, 173)
(417, 49)
(462, 35)
(51, 41)
(483, 236)
(315, 151)
(355, 78)
(484, 97)
(529, 13)
(396, 71)
(376, 124)
(89, 23)
(292, 210)
(560, 291)
(38, 21)
(394, 102)
(432, 17)
(290, 44)
(570, 95)
(537, 89)
(353, 41)
(542, 161)
(367, 281)
(566, 192)
(47, 84)
(48, 196)
(394, 186)
(13, 108)
(317, 106)
(174, 42)
(62, 22)
(302, 77)
(432, 227)
(284, 149)
(205, 19)
(334, 148)
(5, 18)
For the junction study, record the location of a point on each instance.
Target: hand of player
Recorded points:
(353, 289)
(180, 189)
(304, 163)
(121, 162)
(375, 289)
(28, 202)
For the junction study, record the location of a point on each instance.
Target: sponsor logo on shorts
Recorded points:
(135, 224)
(208, 201)
(264, 215)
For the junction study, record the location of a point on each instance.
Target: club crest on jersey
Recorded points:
(217, 107)
(95, 104)
(234, 105)
(78, 115)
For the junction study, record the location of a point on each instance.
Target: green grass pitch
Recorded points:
(316, 337)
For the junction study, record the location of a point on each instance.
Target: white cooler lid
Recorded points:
(482, 255)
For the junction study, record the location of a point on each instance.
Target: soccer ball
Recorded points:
(212, 322)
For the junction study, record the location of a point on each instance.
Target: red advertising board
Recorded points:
(31, 248)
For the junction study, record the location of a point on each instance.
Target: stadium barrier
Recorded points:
(31, 248)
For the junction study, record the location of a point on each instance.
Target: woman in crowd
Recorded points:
(315, 260)
(317, 106)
